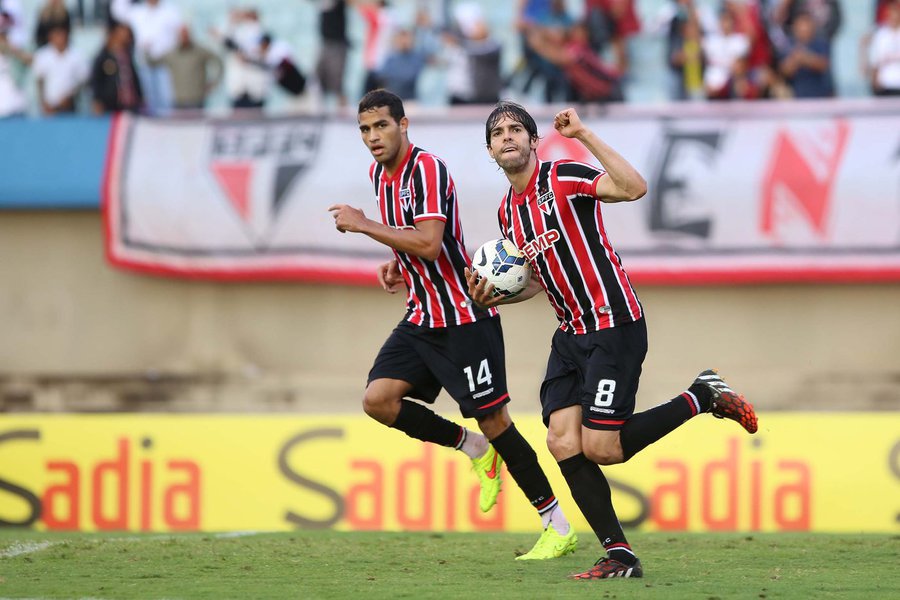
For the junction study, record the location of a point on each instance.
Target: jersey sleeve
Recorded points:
(431, 188)
(579, 179)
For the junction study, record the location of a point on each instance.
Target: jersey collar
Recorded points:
(523, 197)
(400, 168)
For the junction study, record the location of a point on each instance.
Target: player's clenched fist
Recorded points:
(347, 218)
(568, 123)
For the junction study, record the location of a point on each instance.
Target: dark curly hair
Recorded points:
(514, 111)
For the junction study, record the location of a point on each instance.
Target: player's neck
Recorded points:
(520, 179)
(398, 159)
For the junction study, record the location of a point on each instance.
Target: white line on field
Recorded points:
(234, 534)
(20, 548)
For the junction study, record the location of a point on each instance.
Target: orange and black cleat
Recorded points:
(726, 403)
(607, 568)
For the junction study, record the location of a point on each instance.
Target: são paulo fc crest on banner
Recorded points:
(254, 166)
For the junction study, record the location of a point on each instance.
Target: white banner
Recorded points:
(732, 197)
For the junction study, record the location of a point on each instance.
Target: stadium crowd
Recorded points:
(147, 58)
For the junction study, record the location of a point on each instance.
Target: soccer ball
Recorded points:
(504, 265)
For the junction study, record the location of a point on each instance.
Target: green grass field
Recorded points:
(327, 564)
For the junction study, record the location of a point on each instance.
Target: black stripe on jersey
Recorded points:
(528, 233)
(418, 289)
(587, 215)
(579, 170)
(568, 259)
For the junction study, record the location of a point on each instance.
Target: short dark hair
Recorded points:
(381, 97)
(514, 111)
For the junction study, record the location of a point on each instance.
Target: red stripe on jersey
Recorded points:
(422, 189)
(494, 402)
(554, 264)
(574, 233)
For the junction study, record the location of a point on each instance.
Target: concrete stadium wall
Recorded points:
(76, 335)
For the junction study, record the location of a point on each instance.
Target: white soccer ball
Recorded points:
(504, 265)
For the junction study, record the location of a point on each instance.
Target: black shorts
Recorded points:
(469, 361)
(598, 370)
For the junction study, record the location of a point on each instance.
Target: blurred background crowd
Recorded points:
(160, 57)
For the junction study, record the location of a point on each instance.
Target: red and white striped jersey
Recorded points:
(422, 189)
(557, 222)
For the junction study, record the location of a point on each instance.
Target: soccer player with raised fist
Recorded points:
(552, 211)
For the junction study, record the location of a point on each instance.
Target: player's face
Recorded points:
(381, 134)
(511, 145)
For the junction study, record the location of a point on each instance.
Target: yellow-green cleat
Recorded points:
(552, 545)
(487, 467)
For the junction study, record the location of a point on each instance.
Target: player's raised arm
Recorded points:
(424, 240)
(623, 182)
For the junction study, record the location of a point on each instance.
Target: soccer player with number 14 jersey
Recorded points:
(444, 341)
(552, 212)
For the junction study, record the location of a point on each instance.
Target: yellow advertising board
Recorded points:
(802, 471)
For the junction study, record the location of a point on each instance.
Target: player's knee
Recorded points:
(604, 455)
(495, 423)
(562, 446)
(380, 407)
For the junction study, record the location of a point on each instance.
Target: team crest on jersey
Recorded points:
(405, 198)
(545, 202)
(255, 165)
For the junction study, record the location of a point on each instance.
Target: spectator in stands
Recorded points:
(332, 60)
(611, 23)
(156, 24)
(114, 82)
(589, 78)
(530, 14)
(246, 80)
(749, 19)
(52, 14)
(278, 59)
(60, 72)
(380, 22)
(403, 65)
(806, 66)
(12, 98)
(826, 15)
(670, 21)
(686, 59)
(726, 53)
(195, 71)
(884, 53)
(552, 29)
(472, 58)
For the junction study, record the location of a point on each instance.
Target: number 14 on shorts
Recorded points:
(482, 378)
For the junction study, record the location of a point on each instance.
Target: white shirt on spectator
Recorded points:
(884, 55)
(722, 52)
(62, 72)
(12, 100)
(155, 27)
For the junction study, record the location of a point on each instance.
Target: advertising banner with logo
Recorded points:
(801, 472)
(732, 197)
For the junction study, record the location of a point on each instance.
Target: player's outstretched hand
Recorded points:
(568, 123)
(480, 290)
(390, 278)
(347, 218)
